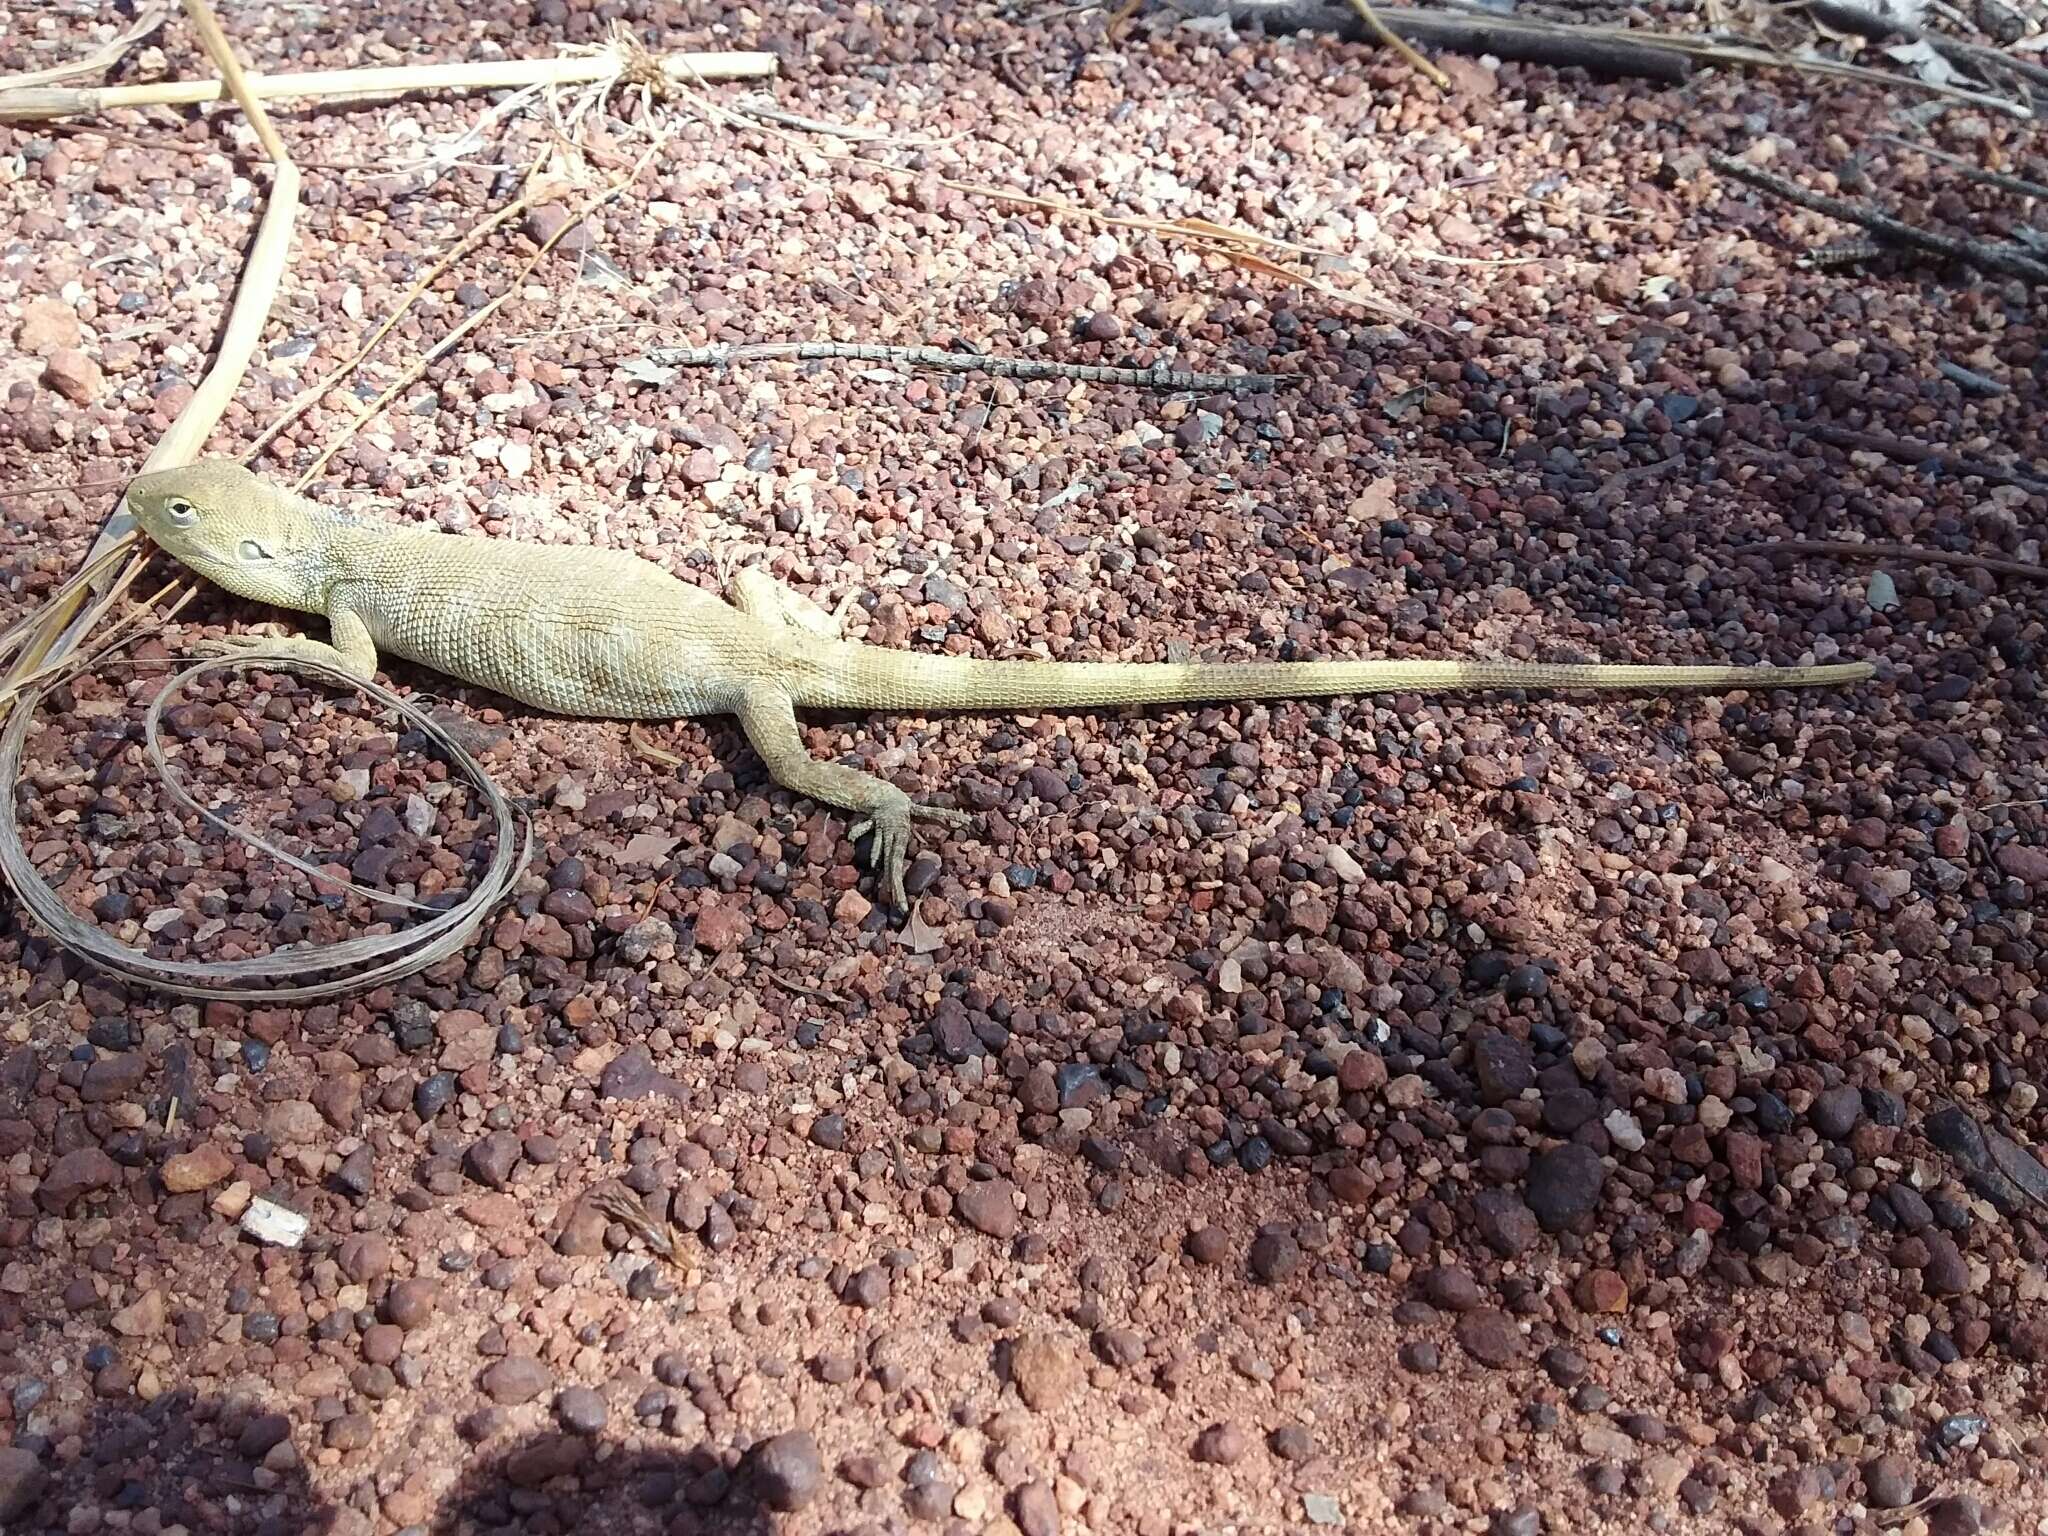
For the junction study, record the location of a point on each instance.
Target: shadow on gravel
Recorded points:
(552, 1483)
(215, 1465)
(204, 1464)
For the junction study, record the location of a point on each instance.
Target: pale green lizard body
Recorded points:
(602, 633)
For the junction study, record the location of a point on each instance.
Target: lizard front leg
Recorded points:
(353, 651)
(768, 716)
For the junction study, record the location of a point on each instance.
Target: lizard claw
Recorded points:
(890, 825)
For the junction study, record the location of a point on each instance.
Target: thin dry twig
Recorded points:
(942, 361)
(1975, 57)
(768, 112)
(1504, 37)
(234, 81)
(477, 234)
(81, 602)
(1114, 31)
(1603, 49)
(2005, 261)
(1241, 247)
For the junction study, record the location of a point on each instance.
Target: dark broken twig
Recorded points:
(1465, 34)
(938, 359)
(2019, 186)
(1926, 456)
(2005, 261)
(1849, 549)
(1975, 57)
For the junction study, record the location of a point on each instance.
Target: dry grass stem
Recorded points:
(477, 234)
(474, 319)
(365, 84)
(40, 647)
(1378, 28)
(939, 360)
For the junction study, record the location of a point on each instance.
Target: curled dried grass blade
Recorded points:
(282, 975)
(647, 749)
(147, 19)
(153, 747)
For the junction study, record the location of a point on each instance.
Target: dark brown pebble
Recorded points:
(1292, 1442)
(546, 1458)
(989, 1207)
(1888, 1482)
(1565, 1184)
(1490, 1337)
(1037, 1512)
(1223, 1444)
(1958, 1515)
(1275, 1255)
(411, 1302)
(867, 1287)
(581, 1410)
(73, 1176)
(1452, 1289)
(515, 1379)
(863, 1470)
(491, 1159)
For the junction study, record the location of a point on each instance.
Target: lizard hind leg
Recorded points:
(768, 716)
(757, 594)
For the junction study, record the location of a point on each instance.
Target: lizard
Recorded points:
(604, 633)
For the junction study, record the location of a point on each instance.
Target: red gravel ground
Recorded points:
(1497, 1114)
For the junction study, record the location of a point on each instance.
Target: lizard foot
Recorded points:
(891, 826)
(286, 646)
(233, 645)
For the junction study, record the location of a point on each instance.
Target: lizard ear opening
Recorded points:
(250, 551)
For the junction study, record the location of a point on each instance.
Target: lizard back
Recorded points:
(573, 629)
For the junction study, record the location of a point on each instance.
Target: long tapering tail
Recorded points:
(868, 677)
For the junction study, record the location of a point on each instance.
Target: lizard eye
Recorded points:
(181, 511)
(249, 549)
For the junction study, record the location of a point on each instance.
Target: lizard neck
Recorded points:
(307, 549)
(335, 546)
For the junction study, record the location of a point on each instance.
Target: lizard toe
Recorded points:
(889, 850)
(230, 645)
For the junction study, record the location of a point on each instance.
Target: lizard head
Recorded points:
(232, 528)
